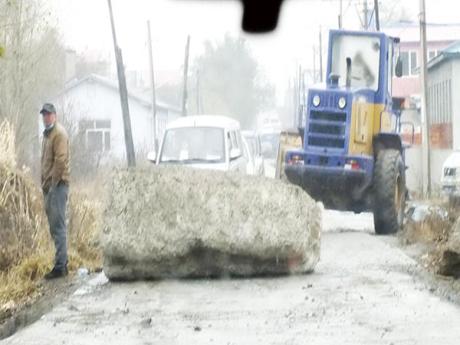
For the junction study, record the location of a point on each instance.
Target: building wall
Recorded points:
(455, 103)
(440, 105)
(444, 112)
(414, 173)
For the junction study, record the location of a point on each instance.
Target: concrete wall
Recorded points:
(414, 173)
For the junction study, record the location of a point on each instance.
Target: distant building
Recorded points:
(440, 39)
(439, 36)
(443, 107)
(91, 106)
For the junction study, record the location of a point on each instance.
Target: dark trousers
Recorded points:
(55, 207)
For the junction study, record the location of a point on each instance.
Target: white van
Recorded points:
(450, 176)
(256, 166)
(204, 142)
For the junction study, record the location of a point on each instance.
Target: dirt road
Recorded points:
(365, 290)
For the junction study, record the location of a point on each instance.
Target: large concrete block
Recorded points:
(177, 222)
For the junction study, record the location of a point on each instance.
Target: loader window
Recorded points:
(364, 54)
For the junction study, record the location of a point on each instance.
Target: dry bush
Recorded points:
(434, 233)
(26, 249)
(434, 229)
(7, 140)
(85, 213)
(21, 206)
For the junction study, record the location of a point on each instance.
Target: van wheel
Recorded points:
(389, 192)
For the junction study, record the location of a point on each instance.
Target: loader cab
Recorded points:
(363, 60)
(355, 105)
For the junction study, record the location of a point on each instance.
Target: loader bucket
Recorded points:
(174, 221)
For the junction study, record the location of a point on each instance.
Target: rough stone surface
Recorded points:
(180, 222)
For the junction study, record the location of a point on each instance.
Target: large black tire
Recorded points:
(389, 192)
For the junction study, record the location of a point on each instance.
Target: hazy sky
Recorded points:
(86, 28)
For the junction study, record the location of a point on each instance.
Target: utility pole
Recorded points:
(299, 87)
(198, 91)
(130, 155)
(424, 111)
(314, 64)
(152, 85)
(184, 92)
(303, 102)
(365, 18)
(341, 14)
(320, 56)
(377, 15)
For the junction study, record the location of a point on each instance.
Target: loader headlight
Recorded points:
(316, 100)
(342, 102)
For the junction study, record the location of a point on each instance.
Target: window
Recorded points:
(97, 134)
(229, 141)
(413, 62)
(405, 63)
(356, 60)
(432, 54)
(234, 140)
(409, 63)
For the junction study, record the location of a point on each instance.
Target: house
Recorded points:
(91, 107)
(443, 107)
(439, 38)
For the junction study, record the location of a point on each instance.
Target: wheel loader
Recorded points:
(351, 156)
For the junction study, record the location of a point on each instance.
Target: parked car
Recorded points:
(255, 151)
(450, 176)
(270, 140)
(419, 212)
(250, 160)
(205, 142)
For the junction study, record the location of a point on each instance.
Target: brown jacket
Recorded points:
(55, 157)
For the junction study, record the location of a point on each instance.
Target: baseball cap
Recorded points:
(48, 108)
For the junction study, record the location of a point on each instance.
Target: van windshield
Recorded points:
(193, 145)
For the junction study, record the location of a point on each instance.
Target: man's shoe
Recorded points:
(56, 273)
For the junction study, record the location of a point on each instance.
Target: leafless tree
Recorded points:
(31, 68)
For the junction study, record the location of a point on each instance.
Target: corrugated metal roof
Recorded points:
(451, 52)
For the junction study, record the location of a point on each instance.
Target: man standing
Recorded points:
(55, 185)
